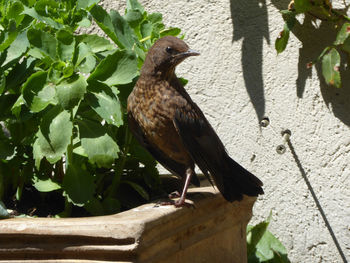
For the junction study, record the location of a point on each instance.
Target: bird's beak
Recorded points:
(188, 53)
(191, 52)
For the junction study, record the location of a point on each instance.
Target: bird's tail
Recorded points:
(237, 181)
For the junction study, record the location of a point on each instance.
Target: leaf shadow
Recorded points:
(250, 23)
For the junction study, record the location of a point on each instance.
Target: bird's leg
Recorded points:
(181, 201)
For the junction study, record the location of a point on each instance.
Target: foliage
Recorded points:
(330, 58)
(263, 246)
(63, 99)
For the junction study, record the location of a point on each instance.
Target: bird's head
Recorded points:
(165, 54)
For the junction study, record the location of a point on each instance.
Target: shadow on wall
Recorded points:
(250, 23)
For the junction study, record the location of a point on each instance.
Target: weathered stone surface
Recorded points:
(208, 230)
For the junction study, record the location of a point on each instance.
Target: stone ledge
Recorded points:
(212, 230)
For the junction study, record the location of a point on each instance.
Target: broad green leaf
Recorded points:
(54, 135)
(122, 30)
(104, 21)
(146, 31)
(105, 103)
(19, 74)
(330, 68)
(46, 185)
(343, 34)
(18, 47)
(83, 4)
(46, 20)
(302, 6)
(116, 69)
(78, 185)
(263, 246)
(155, 18)
(14, 12)
(282, 40)
(71, 91)
(174, 31)
(16, 108)
(97, 144)
(86, 60)
(9, 37)
(44, 41)
(66, 45)
(346, 46)
(134, 18)
(95, 42)
(37, 93)
(43, 7)
(138, 188)
(133, 5)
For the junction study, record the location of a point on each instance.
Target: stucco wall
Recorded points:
(239, 79)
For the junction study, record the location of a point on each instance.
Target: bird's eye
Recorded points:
(169, 50)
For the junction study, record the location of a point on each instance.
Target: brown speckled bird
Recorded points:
(166, 121)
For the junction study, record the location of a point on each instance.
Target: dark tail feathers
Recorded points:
(238, 181)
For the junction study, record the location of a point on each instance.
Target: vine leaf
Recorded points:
(330, 68)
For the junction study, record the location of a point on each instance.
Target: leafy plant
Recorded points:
(62, 105)
(263, 246)
(330, 57)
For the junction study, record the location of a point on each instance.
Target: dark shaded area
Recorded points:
(319, 207)
(250, 23)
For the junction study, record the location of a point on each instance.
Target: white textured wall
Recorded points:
(237, 80)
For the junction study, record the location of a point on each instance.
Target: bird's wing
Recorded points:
(171, 165)
(201, 141)
(210, 155)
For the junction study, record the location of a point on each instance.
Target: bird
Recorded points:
(169, 124)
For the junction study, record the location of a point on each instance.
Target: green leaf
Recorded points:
(122, 30)
(78, 185)
(71, 91)
(105, 103)
(66, 45)
(37, 93)
(133, 5)
(262, 246)
(174, 31)
(104, 21)
(46, 20)
(282, 40)
(83, 4)
(14, 12)
(343, 34)
(302, 6)
(118, 68)
(346, 46)
(134, 18)
(155, 18)
(43, 41)
(95, 43)
(330, 68)
(139, 189)
(46, 185)
(54, 136)
(97, 144)
(16, 50)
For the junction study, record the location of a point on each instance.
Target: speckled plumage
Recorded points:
(166, 121)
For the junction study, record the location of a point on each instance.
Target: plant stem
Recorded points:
(120, 167)
(149, 37)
